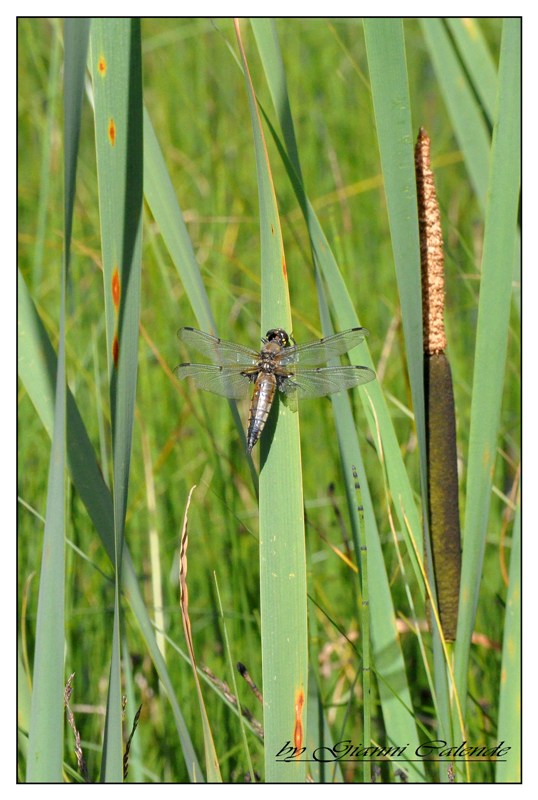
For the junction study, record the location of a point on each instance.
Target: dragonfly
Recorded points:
(281, 364)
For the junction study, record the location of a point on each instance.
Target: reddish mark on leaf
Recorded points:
(116, 288)
(116, 350)
(284, 268)
(298, 730)
(272, 228)
(101, 66)
(112, 132)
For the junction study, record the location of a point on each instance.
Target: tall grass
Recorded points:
(326, 91)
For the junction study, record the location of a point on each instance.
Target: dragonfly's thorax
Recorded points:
(274, 342)
(268, 357)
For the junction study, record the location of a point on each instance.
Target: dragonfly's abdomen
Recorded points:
(260, 406)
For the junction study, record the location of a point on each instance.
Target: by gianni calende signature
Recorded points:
(435, 749)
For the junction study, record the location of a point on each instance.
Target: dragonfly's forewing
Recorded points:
(296, 367)
(218, 350)
(226, 381)
(323, 350)
(325, 380)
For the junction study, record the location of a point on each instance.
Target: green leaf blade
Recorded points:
(501, 238)
(282, 543)
(117, 82)
(45, 755)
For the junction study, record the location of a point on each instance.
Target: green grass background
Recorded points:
(195, 96)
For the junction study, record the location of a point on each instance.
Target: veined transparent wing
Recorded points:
(226, 381)
(323, 350)
(218, 350)
(325, 380)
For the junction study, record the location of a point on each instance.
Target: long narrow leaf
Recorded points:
(117, 84)
(500, 241)
(282, 545)
(465, 112)
(477, 60)
(46, 721)
(388, 74)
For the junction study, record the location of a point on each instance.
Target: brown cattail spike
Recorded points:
(431, 250)
(443, 508)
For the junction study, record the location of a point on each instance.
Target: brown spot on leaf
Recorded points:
(116, 288)
(298, 733)
(116, 350)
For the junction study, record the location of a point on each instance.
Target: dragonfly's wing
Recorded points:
(218, 350)
(323, 350)
(226, 381)
(325, 380)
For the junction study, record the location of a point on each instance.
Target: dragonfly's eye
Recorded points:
(280, 335)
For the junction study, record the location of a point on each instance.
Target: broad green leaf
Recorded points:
(45, 746)
(500, 242)
(282, 544)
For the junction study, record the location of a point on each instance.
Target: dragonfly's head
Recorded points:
(279, 335)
